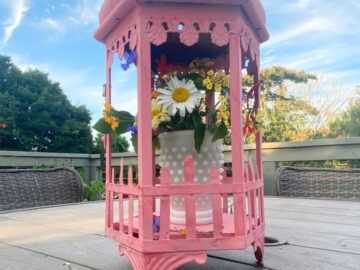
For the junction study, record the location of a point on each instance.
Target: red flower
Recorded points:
(247, 127)
(3, 125)
(253, 90)
(339, 136)
(163, 67)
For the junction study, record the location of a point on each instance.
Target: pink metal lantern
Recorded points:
(228, 31)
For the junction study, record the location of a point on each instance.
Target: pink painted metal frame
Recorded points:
(169, 248)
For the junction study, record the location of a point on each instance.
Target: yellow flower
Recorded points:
(107, 106)
(222, 99)
(221, 73)
(222, 108)
(194, 70)
(191, 65)
(220, 116)
(206, 81)
(209, 86)
(217, 87)
(114, 124)
(107, 118)
(158, 114)
(210, 72)
(202, 72)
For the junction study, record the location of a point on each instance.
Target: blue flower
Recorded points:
(224, 92)
(133, 129)
(128, 59)
(156, 225)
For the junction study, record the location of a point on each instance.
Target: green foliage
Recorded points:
(94, 191)
(287, 117)
(43, 166)
(196, 78)
(220, 132)
(338, 164)
(347, 123)
(37, 114)
(119, 144)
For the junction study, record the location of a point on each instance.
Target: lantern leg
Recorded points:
(161, 261)
(259, 249)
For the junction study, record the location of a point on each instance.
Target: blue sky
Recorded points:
(55, 36)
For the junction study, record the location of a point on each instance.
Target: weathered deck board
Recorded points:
(10, 260)
(294, 257)
(321, 235)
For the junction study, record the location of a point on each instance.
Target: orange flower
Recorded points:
(107, 106)
(154, 93)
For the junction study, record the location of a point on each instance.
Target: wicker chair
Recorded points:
(24, 188)
(319, 183)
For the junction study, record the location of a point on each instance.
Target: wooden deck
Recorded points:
(314, 235)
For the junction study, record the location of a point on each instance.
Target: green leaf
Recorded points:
(125, 119)
(121, 114)
(155, 143)
(199, 132)
(103, 127)
(220, 132)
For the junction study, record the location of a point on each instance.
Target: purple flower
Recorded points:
(133, 129)
(128, 59)
(156, 225)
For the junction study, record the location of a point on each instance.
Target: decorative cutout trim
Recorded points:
(157, 28)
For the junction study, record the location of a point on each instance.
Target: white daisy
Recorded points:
(179, 94)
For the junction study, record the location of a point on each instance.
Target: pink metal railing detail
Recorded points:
(216, 203)
(121, 198)
(165, 205)
(189, 199)
(252, 193)
(131, 204)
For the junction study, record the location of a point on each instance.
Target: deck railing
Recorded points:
(273, 153)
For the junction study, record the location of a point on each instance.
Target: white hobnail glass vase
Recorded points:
(174, 147)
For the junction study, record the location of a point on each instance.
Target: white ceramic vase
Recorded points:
(174, 147)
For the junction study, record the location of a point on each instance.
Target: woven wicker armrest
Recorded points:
(24, 188)
(319, 183)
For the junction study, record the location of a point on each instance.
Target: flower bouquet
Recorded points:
(179, 98)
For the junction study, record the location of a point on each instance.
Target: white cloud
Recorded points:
(17, 11)
(53, 24)
(82, 13)
(315, 24)
(300, 4)
(64, 5)
(86, 12)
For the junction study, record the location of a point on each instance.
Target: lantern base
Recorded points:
(161, 261)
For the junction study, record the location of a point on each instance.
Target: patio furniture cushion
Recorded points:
(320, 183)
(24, 188)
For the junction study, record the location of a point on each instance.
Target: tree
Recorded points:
(37, 114)
(324, 94)
(347, 123)
(119, 144)
(286, 117)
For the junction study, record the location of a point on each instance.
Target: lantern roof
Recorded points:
(113, 11)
